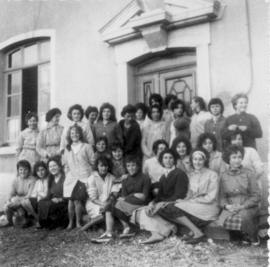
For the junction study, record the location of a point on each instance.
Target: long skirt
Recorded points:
(52, 214)
(154, 223)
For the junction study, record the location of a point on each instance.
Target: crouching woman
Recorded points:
(201, 204)
(173, 185)
(240, 196)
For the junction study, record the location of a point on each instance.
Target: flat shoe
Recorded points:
(127, 235)
(196, 240)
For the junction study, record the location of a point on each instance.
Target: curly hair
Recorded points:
(30, 115)
(202, 150)
(24, 164)
(104, 139)
(75, 107)
(107, 106)
(157, 143)
(37, 165)
(104, 161)
(89, 110)
(178, 102)
(157, 98)
(169, 98)
(236, 97)
(166, 151)
(156, 107)
(142, 107)
(230, 150)
(133, 159)
(79, 131)
(128, 109)
(178, 140)
(116, 145)
(216, 101)
(204, 136)
(200, 101)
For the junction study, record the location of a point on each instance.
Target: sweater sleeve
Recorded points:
(118, 133)
(255, 131)
(90, 155)
(134, 140)
(91, 188)
(144, 147)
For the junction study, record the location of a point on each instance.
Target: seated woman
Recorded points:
(39, 192)
(182, 148)
(208, 142)
(99, 186)
(21, 190)
(135, 193)
(52, 210)
(173, 185)
(201, 204)
(239, 196)
(152, 167)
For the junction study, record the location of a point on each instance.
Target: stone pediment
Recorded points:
(141, 16)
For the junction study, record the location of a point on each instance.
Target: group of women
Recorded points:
(160, 167)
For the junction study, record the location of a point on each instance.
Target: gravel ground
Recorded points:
(29, 247)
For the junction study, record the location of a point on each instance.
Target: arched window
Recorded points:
(27, 84)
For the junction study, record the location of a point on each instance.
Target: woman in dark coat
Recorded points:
(52, 211)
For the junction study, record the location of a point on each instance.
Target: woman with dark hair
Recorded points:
(247, 123)
(201, 203)
(91, 114)
(182, 148)
(168, 112)
(49, 139)
(173, 185)
(131, 132)
(26, 146)
(209, 142)
(52, 210)
(155, 99)
(75, 115)
(198, 119)
(154, 130)
(107, 125)
(216, 124)
(140, 114)
(21, 189)
(78, 161)
(239, 196)
(99, 187)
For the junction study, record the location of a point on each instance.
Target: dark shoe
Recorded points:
(196, 240)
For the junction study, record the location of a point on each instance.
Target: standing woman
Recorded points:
(52, 211)
(154, 130)
(182, 148)
(107, 125)
(48, 141)
(91, 114)
(208, 142)
(141, 112)
(131, 132)
(78, 161)
(201, 204)
(198, 119)
(75, 114)
(240, 196)
(26, 149)
(247, 123)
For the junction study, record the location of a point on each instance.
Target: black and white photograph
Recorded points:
(134, 133)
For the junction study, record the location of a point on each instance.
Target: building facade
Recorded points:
(58, 53)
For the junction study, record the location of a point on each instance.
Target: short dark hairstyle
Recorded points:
(57, 160)
(105, 161)
(116, 145)
(37, 165)
(157, 98)
(89, 110)
(51, 113)
(80, 132)
(200, 101)
(230, 150)
(135, 159)
(30, 115)
(178, 102)
(216, 101)
(181, 139)
(202, 138)
(103, 138)
(128, 109)
(110, 107)
(228, 136)
(157, 143)
(142, 107)
(75, 107)
(168, 99)
(206, 162)
(24, 164)
(166, 151)
(157, 107)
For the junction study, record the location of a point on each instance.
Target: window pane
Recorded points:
(44, 76)
(13, 129)
(44, 88)
(14, 83)
(14, 59)
(30, 54)
(45, 51)
(13, 106)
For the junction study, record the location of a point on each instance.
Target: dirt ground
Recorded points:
(31, 247)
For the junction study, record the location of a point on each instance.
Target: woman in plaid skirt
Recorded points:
(239, 196)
